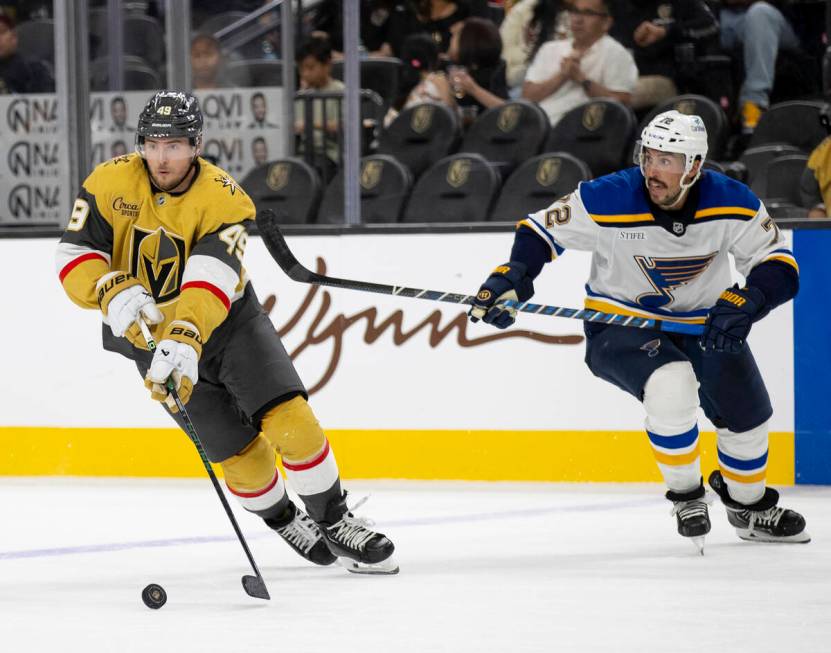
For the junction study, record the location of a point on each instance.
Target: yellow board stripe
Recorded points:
(608, 307)
(674, 460)
(623, 217)
(750, 478)
(725, 210)
(582, 456)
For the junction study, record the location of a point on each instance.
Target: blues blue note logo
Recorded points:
(668, 274)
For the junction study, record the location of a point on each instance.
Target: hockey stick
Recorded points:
(280, 252)
(253, 585)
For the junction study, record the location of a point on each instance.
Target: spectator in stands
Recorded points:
(528, 25)
(815, 186)
(651, 30)
(206, 63)
(761, 29)
(566, 73)
(259, 151)
(421, 80)
(259, 111)
(314, 65)
(436, 18)
(19, 74)
(118, 114)
(478, 72)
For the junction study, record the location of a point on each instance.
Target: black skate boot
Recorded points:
(359, 549)
(762, 521)
(302, 535)
(690, 509)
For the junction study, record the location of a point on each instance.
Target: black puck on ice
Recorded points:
(154, 596)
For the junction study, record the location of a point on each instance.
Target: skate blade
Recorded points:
(384, 568)
(698, 543)
(756, 536)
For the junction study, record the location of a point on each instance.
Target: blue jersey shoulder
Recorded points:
(718, 190)
(615, 194)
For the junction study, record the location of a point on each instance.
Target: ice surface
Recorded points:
(484, 567)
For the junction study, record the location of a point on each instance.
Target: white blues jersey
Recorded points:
(641, 267)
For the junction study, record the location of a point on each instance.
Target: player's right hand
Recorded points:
(123, 300)
(509, 281)
(177, 357)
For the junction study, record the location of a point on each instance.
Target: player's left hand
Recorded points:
(729, 321)
(177, 356)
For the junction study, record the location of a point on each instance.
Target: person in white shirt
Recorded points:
(565, 74)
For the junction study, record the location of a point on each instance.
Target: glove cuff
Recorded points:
(184, 332)
(111, 284)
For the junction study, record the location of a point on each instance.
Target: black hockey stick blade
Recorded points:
(255, 586)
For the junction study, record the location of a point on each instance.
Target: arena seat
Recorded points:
(255, 72)
(783, 175)
(138, 75)
(756, 160)
(794, 123)
(458, 188)
(508, 134)
(385, 185)
(538, 183)
(379, 74)
(36, 39)
(289, 187)
(420, 136)
(217, 22)
(599, 132)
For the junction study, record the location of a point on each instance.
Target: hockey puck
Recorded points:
(154, 596)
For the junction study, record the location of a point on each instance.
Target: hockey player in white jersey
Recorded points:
(660, 234)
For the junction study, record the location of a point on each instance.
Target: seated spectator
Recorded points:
(761, 29)
(565, 74)
(478, 72)
(815, 186)
(314, 66)
(651, 29)
(206, 63)
(436, 17)
(19, 74)
(528, 25)
(421, 80)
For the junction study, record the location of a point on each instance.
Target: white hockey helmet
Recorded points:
(675, 132)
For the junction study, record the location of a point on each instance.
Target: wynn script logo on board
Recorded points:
(330, 327)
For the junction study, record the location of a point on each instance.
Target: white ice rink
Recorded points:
(484, 567)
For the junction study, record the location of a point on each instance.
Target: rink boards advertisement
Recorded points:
(242, 130)
(405, 388)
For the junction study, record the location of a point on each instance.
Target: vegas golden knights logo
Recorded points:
(278, 176)
(458, 172)
(157, 259)
(508, 118)
(422, 118)
(686, 107)
(548, 171)
(371, 174)
(593, 116)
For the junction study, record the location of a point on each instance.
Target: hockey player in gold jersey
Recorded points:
(159, 235)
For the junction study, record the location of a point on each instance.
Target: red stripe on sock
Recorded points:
(204, 285)
(76, 262)
(312, 463)
(258, 493)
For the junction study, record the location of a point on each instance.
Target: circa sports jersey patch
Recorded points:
(157, 259)
(668, 274)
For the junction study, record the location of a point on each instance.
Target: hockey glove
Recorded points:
(123, 299)
(729, 321)
(177, 355)
(507, 282)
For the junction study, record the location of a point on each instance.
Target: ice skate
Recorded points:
(303, 535)
(690, 509)
(763, 521)
(359, 549)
